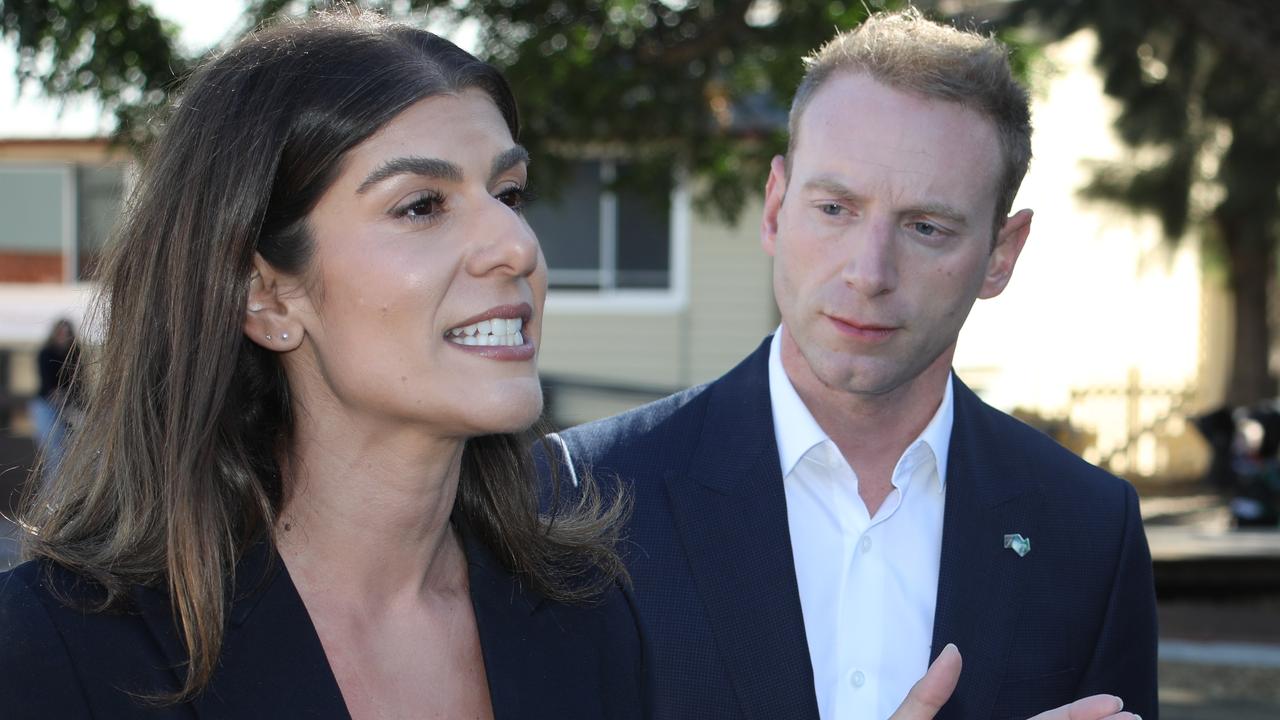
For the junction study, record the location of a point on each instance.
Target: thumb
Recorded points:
(1094, 707)
(933, 690)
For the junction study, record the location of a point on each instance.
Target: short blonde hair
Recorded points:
(909, 52)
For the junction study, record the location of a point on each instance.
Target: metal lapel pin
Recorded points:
(1018, 544)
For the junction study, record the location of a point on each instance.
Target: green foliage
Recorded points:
(698, 85)
(1199, 86)
(116, 51)
(695, 86)
(1181, 79)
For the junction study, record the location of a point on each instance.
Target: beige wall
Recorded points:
(731, 294)
(726, 308)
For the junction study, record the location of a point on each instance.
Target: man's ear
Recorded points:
(269, 318)
(774, 190)
(1004, 255)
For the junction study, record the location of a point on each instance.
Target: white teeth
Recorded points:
(492, 332)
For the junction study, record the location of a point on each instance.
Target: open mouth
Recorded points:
(495, 332)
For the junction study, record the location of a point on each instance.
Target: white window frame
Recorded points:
(609, 298)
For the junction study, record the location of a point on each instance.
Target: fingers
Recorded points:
(933, 690)
(1094, 707)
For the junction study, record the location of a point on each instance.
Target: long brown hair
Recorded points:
(175, 470)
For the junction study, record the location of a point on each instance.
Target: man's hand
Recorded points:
(933, 690)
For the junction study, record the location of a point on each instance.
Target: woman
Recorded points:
(302, 488)
(58, 361)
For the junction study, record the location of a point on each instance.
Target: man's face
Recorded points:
(882, 235)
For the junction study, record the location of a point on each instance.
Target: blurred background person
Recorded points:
(57, 403)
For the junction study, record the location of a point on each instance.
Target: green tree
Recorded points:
(696, 84)
(116, 51)
(1199, 87)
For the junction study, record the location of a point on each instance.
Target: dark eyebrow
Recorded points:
(428, 167)
(506, 160)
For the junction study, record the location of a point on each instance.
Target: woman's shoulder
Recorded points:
(38, 677)
(60, 655)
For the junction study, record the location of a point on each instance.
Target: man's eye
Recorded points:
(831, 208)
(924, 228)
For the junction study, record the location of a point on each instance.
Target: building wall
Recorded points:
(725, 310)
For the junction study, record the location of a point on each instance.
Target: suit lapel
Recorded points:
(505, 619)
(979, 588)
(731, 512)
(272, 663)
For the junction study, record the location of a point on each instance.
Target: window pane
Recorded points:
(568, 226)
(644, 240)
(31, 232)
(101, 190)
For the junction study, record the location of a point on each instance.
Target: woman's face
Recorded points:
(423, 301)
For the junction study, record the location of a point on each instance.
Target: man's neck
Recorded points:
(872, 431)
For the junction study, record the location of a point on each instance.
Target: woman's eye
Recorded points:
(421, 208)
(516, 198)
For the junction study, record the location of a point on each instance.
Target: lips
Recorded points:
(497, 332)
(862, 329)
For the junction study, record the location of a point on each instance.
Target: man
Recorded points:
(814, 527)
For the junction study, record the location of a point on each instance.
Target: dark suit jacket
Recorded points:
(543, 659)
(710, 557)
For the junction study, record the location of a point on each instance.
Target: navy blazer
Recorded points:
(543, 659)
(710, 557)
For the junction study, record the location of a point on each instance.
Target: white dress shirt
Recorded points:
(868, 585)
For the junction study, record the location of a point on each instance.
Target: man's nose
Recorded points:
(871, 258)
(506, 243)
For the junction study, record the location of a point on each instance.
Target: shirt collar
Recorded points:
(793, 425)
(797, 432)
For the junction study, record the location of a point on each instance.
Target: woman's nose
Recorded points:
(506, 244)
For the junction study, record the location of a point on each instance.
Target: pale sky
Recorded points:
(31, 115)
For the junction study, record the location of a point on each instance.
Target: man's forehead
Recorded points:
(860, 129)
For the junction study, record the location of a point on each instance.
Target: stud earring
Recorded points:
(284, 336)
(256, 307)
(268, 336)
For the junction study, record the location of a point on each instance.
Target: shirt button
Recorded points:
(865, 544)
(857, 679)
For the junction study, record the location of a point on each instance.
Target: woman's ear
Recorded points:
(270, 319)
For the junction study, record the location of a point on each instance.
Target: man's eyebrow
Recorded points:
(832, 186)
(412, 165)
(938, 210)
(839, 190)
(506, 160)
